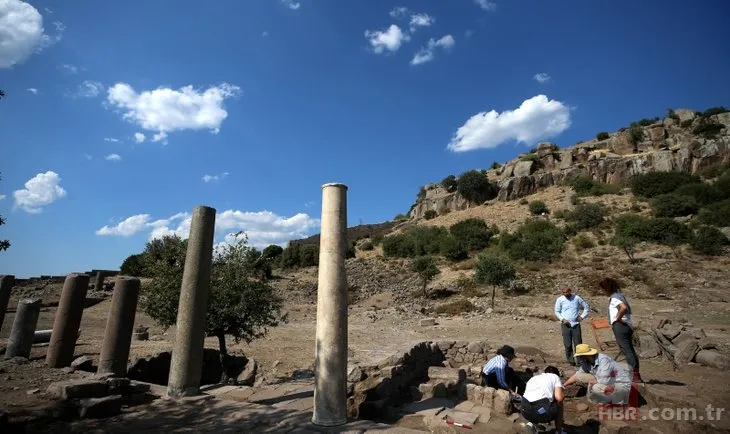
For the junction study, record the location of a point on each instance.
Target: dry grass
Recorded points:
(455, 307)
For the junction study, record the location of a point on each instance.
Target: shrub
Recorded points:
(475, 187)
(272, 252)
(429, 214)
(658, 230)
(636, 134)
(716, 214)
(400, 217)
(602, 135)
(713, 171)
(583, 241)
(586, 215)
(455, 307)
(723, 185)
(308, 255)
(588, 187)
(495, 165)
(367, 245)
(559, 214)
(133, 266)
(421, 193)
(450, 183)
(645, 122)
(702, 193)
(627, 244)
(444, 210)
(535, 240)
(655, 183)
(472, 233)
(673, 205)
(417, 241)
(530, 157)
(714, 111)
(707, 128)
(453, 250)
(672, 115)
(538, 207)
(400, 246)
(709, 241)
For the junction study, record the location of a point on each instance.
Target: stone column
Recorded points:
(186, 365)
(21, 335)
(6, 285)
(119, 327)
(330, 366)
(67, 321)
(99, 281)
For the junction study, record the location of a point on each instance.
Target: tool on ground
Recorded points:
(451, 421)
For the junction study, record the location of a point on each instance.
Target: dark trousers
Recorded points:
(513, 380)
(541, 411)
(571, 336)
(624, 337)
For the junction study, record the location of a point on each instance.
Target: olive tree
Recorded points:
(241, 303)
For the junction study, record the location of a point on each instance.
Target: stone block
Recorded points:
(100, 407)
(488, 397)
(686, 351)
(648, 347)
(426, 389)
(478, 395)
(670, 331)
(485, 414)
(78, 389)
(471, 392)
(713, 359)
(354, 374)
(502, 403)
(439, 373)
(477, 347)
(248, 376)
(427, 322)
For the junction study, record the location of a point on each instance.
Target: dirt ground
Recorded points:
(380, 326)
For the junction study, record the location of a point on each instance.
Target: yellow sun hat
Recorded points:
(584, 350)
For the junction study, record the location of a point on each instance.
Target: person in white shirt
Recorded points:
(619, 316)
(542, 401)
(567, 307)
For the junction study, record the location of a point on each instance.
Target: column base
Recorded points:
(328, 422)
(182, 392)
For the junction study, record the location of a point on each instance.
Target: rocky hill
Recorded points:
(683, 141)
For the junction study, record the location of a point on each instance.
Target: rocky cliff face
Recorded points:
(685, 142)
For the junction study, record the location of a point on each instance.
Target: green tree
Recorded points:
(602, 135)
(4, 244)
(450, 183)
(627, 244)
(240, 304)
(475, 187)
(496, 270)
(133, 266)
(426, 268)
(472, 233)
(708, 240)
(272, 251)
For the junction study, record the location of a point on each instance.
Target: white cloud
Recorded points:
(469, 33)
(309, 204)
(420, 20)
(2, 197)
(390, 39)
(139, 137)
(264, 33)
(127, 227)
(291, 4)
(211, 178)
(88, 89)
(41, 190)
(165, 110)
(111, 139)
(68, 68)
(113, 157)
(541, 77)
(263, 228)
(536, 118)
(87, 156)
(22, 32)
(33, 90)
(399, 12)
(160, 137)
(487, 5)
(426, 54)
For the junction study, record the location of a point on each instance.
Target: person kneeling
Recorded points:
(606, 381)
(542, 401)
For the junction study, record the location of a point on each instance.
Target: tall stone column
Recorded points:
(330, 366)
(119, 327)
(6, 285)
(21, 335)
(99, 281)
(187, 355)
(67, 321)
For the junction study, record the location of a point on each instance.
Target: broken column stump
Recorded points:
(21, 335)
(119, 327)
(67, 320)
(6, 285)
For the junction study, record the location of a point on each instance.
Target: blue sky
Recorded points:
(271, 99)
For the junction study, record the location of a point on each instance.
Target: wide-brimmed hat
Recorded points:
(584, 350)
(507, 351)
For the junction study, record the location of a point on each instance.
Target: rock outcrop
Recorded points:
(687, 142)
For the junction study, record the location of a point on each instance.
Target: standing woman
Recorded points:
(619, 316)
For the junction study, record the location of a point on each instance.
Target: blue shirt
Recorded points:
(568, 309)
(497, 365)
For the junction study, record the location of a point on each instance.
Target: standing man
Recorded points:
(567, 307)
